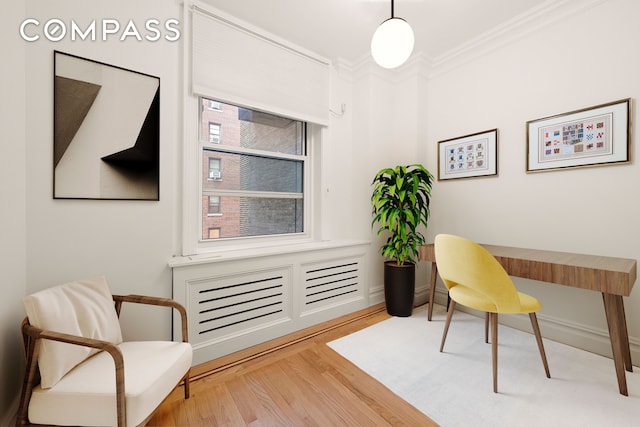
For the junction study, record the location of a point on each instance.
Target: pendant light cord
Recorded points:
(392, 9)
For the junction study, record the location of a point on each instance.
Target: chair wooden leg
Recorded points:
(452, 305)
(32, 348)
(494, 349)
(186, 386)
(486, 327)
(432, 290)
(536, 331)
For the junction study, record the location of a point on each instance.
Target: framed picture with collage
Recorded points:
(591, 136)
(468, 156)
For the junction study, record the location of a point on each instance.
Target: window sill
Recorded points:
(246, 253)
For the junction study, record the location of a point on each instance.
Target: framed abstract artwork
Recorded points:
(106, 141)
(593, 136)
(468, 156)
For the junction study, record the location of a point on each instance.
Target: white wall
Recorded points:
(128, 241)
(338, 153)
(13, 211)
(389, 129)
(581, 60)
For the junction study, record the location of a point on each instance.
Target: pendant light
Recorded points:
(392, 43)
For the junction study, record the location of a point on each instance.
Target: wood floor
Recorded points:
(294, 381)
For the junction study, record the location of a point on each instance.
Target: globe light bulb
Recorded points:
(392, 43)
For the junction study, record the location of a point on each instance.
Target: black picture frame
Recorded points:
(106, 131)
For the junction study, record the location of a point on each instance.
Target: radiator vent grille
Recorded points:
(330, 282)
(230, 304)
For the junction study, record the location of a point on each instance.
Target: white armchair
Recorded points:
(80, 372)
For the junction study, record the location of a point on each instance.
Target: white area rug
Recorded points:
(454, 388)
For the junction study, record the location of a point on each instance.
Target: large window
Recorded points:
(253, 179)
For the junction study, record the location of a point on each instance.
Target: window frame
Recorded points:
(214, 229)
(219, 126)
(219, 169)
(192, 239)
(219, 205)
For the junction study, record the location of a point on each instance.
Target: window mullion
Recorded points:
(262, 194)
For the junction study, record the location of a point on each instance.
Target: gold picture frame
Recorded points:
(594, 136)
(468, 156)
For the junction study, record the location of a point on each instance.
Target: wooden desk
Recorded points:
(612, 277)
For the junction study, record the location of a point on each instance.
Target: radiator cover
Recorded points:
(235, 303)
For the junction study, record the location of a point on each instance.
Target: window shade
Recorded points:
(236, 64)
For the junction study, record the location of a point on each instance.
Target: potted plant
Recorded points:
(400, 202)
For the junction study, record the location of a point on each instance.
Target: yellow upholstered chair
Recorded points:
(476, 279)
(79, 370)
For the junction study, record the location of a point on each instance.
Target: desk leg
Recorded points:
(626, 351)
(432, 289)
(614, 310)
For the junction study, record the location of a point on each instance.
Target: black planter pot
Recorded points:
(399, 288)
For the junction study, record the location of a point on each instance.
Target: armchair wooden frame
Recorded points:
(32, 337)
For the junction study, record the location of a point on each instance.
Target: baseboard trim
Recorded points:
(225, 362)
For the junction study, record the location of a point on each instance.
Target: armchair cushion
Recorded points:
(85, 396)
(84, 308)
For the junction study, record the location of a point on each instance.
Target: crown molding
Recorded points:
(420, 65)
(522, 25)
(342, 69)
(417, 66)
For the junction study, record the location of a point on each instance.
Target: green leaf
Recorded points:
(410, 218)
(400, 204)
